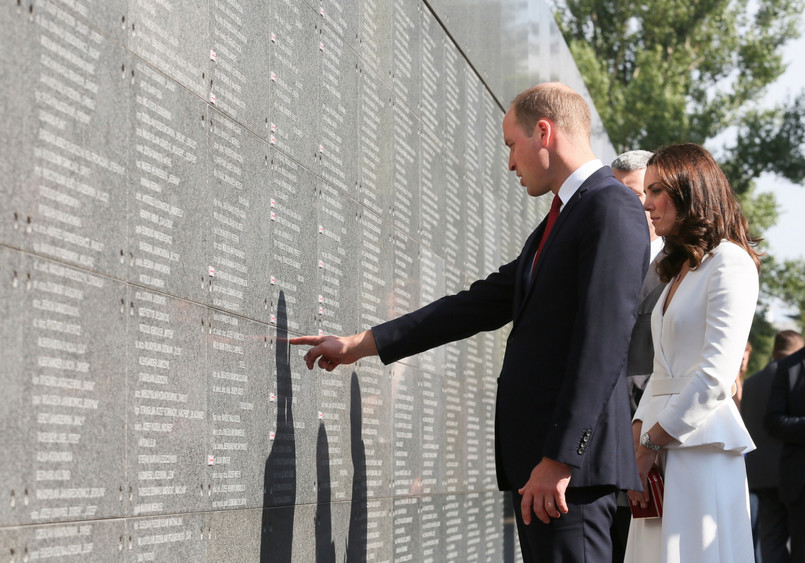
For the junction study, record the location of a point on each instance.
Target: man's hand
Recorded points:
(545, 491)
(332, 351)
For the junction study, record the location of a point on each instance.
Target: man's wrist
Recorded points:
(365, 344)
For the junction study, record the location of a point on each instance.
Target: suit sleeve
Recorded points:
(486, 305)
(779, 423)
(612, 259)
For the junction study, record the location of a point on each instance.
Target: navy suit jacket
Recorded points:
(561, 392)
(785, 420)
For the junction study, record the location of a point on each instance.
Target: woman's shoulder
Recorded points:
(732, 266)
(728, 252)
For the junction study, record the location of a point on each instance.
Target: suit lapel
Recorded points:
(793, 374)
(522, 295)
(649, 301)
(523, 269)
(555, 232)
(652, 280)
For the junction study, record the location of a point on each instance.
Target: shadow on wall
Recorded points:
(356, 540)
(325, 548)
(279, 486)
(357, 536)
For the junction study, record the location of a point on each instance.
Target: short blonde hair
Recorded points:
(556, 102)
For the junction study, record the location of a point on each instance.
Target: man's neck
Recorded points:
(570, 158)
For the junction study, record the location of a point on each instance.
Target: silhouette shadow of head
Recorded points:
(325, 547)
(357, 535)
(279, 486)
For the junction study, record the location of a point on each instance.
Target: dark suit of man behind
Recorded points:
(641, 349)
(763, 467)
(785, 420)
(562, 411)
(763, 464)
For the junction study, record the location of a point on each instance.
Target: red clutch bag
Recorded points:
(655, 493)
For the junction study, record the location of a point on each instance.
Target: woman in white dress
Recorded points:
(687, 423)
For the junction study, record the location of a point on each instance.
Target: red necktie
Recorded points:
(556, 204)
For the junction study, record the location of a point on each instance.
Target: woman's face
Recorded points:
(658, 204)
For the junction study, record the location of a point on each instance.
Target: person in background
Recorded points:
(562, 444)
(785, 420)
(763, 464)
(630, 169)
(687, 421)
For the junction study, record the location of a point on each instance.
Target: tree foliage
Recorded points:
(786, 281)
(677, 70)
(689, 71)
(762, 340)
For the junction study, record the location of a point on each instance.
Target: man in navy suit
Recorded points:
(785, 420)
(563, 438)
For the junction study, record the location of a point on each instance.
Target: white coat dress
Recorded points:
(698, 347)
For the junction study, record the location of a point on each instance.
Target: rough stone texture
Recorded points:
(188, 184)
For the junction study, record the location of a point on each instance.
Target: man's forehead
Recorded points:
(631, 178)
(509, 121)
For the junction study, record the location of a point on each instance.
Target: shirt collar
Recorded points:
(656, 246)
(575, 180)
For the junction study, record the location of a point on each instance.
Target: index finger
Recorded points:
(306, 340)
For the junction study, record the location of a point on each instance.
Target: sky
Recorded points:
(787, 238)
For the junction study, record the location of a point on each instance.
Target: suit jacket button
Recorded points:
(585, 439)
(581, 450)
(588, 433)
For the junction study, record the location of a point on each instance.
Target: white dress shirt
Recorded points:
(575, 180)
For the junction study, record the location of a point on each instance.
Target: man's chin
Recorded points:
(536, 191)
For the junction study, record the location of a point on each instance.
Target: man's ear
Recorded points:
(545, 131)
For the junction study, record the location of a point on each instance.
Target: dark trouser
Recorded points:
(796, 524)
(620, 528)
(580, 536)
(772, 517)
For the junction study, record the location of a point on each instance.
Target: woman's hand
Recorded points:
(646, 459)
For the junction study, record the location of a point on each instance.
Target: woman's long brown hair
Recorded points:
(707, 210)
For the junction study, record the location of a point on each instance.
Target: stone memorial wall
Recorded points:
(185, 184)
